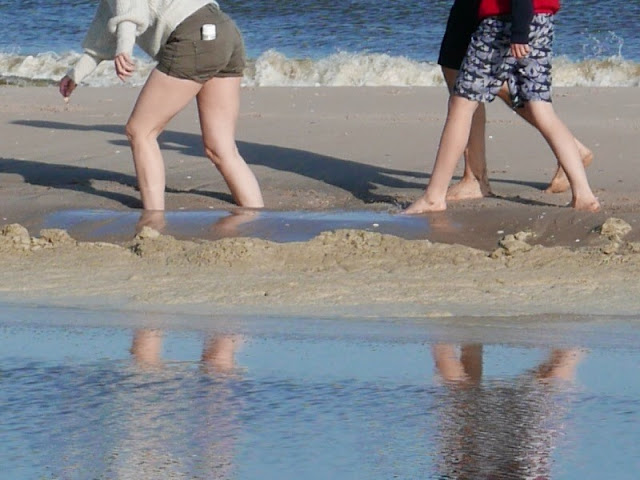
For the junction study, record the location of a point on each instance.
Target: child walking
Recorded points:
(512, 44)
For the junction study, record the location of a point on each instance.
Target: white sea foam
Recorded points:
(341, 69)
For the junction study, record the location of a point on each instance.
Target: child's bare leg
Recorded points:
(447, 363)
(559, 183)
(474, 182)
(465, 368)
(452, 143)
(562, 364)
(565, 149)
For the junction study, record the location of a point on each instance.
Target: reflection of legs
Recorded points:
(228, 226)
(559, 183)
(563, 144)
(218, 106)
(218, 352)
(146, 347)
(467, 368)
(160, 100)
(471, 358)
(562, 364)
(453, 141)
(474, 182)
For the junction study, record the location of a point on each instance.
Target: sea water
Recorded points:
(94, 394)
(310, 43)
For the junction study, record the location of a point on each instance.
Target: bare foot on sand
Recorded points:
(468, 189)
(587, 204)
(560, 183)
(422, 205)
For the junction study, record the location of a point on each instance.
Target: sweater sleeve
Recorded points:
(130, 20)
(83, 67)
(521, 14)
(98, 44)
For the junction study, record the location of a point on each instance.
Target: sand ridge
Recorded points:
(336, 271)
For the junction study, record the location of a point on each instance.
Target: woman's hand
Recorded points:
(520, 50)
(124, 66)
(66, 87)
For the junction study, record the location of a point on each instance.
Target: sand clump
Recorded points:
(614, 230)
(17, 237)
(334, 271)
(513, 244)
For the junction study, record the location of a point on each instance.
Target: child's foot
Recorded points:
(560, 183)
(422, 205)
(468, 189)
(586, 205)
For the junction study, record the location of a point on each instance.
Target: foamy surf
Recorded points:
(272, 68)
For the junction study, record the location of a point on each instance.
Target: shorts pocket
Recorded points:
(210, 56)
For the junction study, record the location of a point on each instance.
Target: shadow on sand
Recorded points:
(359, 179)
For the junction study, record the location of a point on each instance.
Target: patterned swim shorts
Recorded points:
(489, 63)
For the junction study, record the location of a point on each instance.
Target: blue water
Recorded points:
(328, 42)
(90, 394)
(101, 225)
(586, 29)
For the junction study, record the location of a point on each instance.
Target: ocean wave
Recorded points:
(273, 68)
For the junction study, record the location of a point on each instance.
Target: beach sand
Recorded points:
(521, 252)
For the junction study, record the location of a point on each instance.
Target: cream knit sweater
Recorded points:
(119, 24)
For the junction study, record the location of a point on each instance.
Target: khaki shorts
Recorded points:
(186, 55)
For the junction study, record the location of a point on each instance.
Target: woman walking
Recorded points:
(200, 54)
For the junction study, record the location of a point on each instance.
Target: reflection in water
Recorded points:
(160, 415)
(497, 429)
(226, 226)
(312, 399)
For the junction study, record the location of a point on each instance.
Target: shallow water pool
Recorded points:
(94, 394)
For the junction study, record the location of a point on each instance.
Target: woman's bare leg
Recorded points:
(160, 100)
(559, 183)
(218, 107)
(474, 182)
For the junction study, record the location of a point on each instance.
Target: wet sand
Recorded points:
(336, 166)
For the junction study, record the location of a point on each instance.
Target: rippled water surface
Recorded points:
(89, 394)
